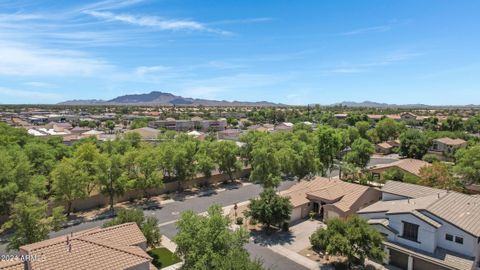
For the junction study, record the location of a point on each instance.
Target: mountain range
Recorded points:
(157, 98)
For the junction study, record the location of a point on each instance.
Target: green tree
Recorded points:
(206, 242)
(329, 143)
(110, 125)
(453, 123)
(138, 123)
(111, 179)
(41, 156)
(270, 208)
(134, 138)
(397, 174)
(388, 129)
(363, 127)
(413, 144)
(204, 160)
(352, 238)
(360, 153)
(468, 165)
(151, 231)
(265, 167)
(439, 176)
(86, 158)
(28, 221)
(148, 225)
(14, 176)
(69, 182)
(226, 157)
(143, 169)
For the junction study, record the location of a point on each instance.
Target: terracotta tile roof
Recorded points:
(341, 194)
(13, 264)
(113, 247)
(409, 190)
(410, 165)
(449, 141)
(385, 145)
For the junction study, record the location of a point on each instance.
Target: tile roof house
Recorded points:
(427, 228)
(409, 165)
(147, 133)
(446, 146)
(117, 247)
(386, 147)
(329, 198)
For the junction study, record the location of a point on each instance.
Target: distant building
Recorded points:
(187, 125)
(147, 133)
(408, 165)
(229, 134)
(427, 228)
(285, 126)
(446, 146)
(387, 147)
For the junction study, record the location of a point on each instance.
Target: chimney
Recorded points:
(68, 240)
(70, 247)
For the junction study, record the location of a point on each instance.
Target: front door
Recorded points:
(316, 207)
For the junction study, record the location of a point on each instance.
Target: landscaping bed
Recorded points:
(162, 257)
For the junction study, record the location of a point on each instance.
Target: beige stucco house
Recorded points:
(329, 198)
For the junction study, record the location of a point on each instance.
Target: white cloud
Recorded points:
(347, 70)
(367, 30)
(38, 84)
(152, 21)
(108, 4)
(16, 17)
(150, 69)
(22, 60)
(29, 96)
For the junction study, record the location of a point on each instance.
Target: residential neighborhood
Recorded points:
(239, 135)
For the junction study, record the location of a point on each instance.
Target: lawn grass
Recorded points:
(163, 257)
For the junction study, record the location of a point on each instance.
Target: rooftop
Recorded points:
(115, 247)
(410, 165)
(339, 193)
(409, 190)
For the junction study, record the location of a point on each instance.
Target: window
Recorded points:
(459, 239)
(410, 231)
(448, 237)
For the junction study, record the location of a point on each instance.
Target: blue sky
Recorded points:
(294, 52)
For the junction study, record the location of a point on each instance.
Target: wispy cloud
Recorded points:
(108, 5)
(38, 84)
(30, 96)
(23, 60)
(368, 30)
(150, 69)
(153, 21)
(242, 21)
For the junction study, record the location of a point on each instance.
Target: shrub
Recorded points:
(430, 158)
(239, 220)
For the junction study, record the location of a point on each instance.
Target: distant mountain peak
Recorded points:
(165, 99)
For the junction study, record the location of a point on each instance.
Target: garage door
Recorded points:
(296, 214)
(424, 265)
(399, 259)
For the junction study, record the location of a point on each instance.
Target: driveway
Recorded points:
(301, 233)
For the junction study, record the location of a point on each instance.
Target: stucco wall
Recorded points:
(427, 239)
(470, 247)
(102, 200)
